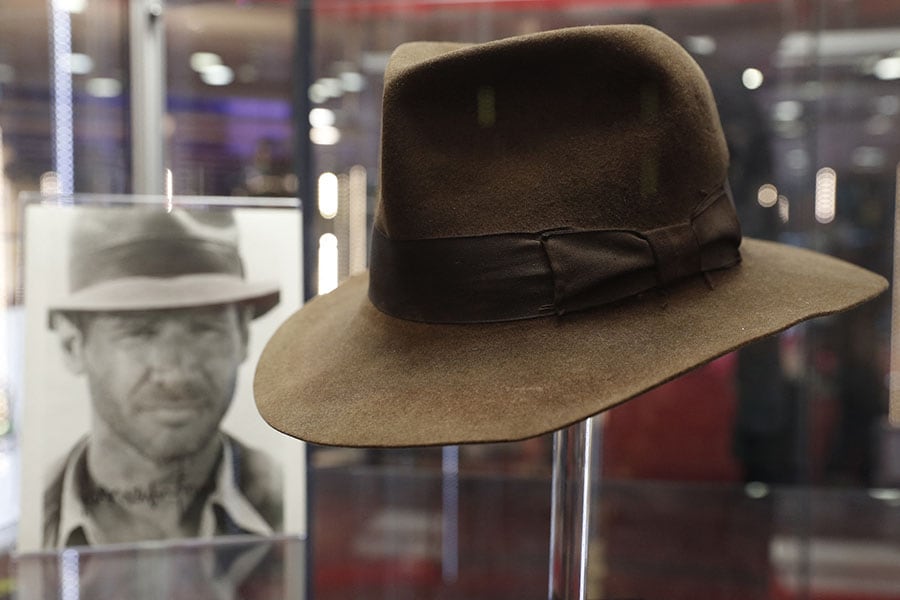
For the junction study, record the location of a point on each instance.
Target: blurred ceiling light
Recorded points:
(80, 64)
(826, 195)
(321, 117)
(784, 209)
(328, 193)
(868, 157)
(703, 45)
(71, 6)
(752, 78)
(7, 73)
(888, 105)
(767, 195)
(331, 87)
(200, 61)
(352, 81)
(885, 494)
(787, 110)
(103, 87)
(325, 136)
(834, 47)
(317, 93)
(217, 75)
(887, 68)
(756, 490)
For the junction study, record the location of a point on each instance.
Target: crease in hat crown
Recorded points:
(595, 127)
(579, 130)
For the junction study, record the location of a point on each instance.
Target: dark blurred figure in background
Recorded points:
(862, 403)
(269, 174)
(765, 425)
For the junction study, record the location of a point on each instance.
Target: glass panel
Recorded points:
(769, 473)
(774, 427)
(269, 568)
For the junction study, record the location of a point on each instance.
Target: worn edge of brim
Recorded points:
(861, 299)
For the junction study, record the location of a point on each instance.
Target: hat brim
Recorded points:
(339, 372)
(160, 293)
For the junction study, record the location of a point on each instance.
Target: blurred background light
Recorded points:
(49, 183)
(887, 68)
(328, 263)
(797, 159)
(72, 6)
(217, 75)
(826, 195)
(787, 110)
(352, 81)
(103, 87)
(325, 136)
(752, 78)
(328, 193)
(703, 45)
(358, 230)
(331, 87)
(767, 195)
(200, 61)
(80, 64)
(321, 117)
(784, 209)
(868, 157)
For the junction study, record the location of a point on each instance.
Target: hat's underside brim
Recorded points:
(339, 372)
(161, 293)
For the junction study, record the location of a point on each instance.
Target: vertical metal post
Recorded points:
(148, 92)
(304, 161)
(574, 467)
(894, 381)
(63, 123)
(450, 513)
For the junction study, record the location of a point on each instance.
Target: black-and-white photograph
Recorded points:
(143, 327)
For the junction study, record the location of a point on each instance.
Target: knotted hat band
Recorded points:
(514, 276)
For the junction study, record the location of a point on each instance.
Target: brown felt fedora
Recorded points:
(148, 258)
(554, 235)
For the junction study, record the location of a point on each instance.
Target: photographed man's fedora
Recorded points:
(554, 235)
(148, 258)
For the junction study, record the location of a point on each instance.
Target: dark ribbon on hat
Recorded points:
(512, 276)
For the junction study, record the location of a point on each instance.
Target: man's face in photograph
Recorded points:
(161, 380)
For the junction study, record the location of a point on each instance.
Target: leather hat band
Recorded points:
(513, 276)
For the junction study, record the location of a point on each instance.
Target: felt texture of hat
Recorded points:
(608, 128)
(143, 258)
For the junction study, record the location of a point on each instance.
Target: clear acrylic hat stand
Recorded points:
(576, 470)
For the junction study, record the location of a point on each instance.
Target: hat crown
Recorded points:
(588, 128)
(109, 244)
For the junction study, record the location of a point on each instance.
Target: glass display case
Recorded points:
(771, 472)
